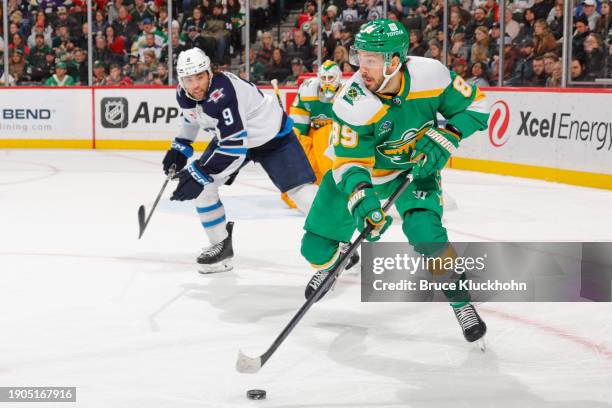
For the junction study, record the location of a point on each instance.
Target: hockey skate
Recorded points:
(473, 327)
(319, 276)
(218, 257)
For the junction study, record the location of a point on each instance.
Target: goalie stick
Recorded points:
(142, 223)
(251, 365)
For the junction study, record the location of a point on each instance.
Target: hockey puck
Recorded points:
(256, 394)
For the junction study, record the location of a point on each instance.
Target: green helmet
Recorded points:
(384, 36)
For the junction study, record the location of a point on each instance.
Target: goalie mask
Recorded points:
(192, 62)
(329, 79)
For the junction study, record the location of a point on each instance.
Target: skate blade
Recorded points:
(223, 266)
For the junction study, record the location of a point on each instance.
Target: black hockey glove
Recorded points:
(178, 154)
(191, 182)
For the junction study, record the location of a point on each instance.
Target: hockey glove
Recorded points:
(178, 154)
(365, 208)
(433, 150)
(191, 182)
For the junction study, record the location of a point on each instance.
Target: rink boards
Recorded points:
(557, 135)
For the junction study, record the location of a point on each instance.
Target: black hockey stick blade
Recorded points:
(141, 221)
(251, 365)
(144, 221)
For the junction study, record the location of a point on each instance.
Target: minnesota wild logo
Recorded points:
(400, 150)
(353, 94)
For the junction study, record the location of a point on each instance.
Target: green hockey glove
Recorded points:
(365, 207)
(433, 149)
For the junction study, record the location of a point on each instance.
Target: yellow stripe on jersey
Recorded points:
(294, 110)
(358, 161)
(382, 112)
(382, 172)
(430, 93)
(479, 95)
(309, 98)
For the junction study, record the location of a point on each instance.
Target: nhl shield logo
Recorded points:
(114, 113)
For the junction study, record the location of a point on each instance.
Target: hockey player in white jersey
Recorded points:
(247, 126)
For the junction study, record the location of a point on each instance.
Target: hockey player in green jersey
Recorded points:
(384, 126)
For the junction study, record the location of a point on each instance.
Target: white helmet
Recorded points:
(329, 78)
(191, 62)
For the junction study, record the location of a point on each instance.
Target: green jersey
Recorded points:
(54, 81)
(309, 109)
(374, 135)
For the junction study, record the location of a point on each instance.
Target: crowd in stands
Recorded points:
(48, 38)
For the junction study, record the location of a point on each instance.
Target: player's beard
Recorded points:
(371, 83)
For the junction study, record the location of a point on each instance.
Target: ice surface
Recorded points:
(131, 324)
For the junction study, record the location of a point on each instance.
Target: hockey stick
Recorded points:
(142, 224)
(246, 364)
(274, 83)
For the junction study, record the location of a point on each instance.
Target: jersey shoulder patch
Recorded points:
(356, 105)
(427, 74)
(309, 90)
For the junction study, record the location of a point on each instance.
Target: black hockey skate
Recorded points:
(473, 327)
(218, 257)
(320, 275)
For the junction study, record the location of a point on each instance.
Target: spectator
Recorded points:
(346, 38)
(580, 35)
(196, 20)
(550, 58)
(113, 12)
(132, 68)
(577, 70)
(237, 21)
(603, 24)
(195, 39)
(307, 15)
(216, 28)
(278, 68)
(341, 55)
(350, 14)
(160, 78)
(595, 58)
(434, 25)
(18, 66)
(435, 50)
(257, 69)
(142, 12)
(481, 49)
(512, 26)
(264, 51)
(64, 19)
(80, 64)
(297, 69)
(299, 48)
(556, 26)
(544, 40)
(554, 81)
(478, 75)
(18, 44)
(491, 9)
(116, 45)
(460, 67)
(347, 68)
(331, 20)
(589, 10)
(148, 66)
(539, 76)
(417, 46)
(125, 28)
(61, 39)
(117, 78)
(149, 45)
(541, 8)
(459, 48)
(37, 58)
(101, 51)
(527, 26)
(552, 12)
(60, 78)
(39, 29)
(374, 10)
(49, 68)
(149, 28)
(99, 73)
(480, 19)
(524, 66)
(177, 47)
(456, 25)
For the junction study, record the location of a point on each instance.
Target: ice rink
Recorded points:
(131, 324)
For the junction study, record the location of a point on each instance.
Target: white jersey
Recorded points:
(240, 117)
